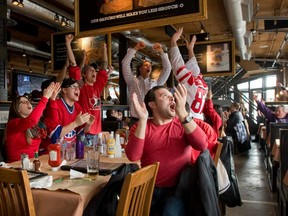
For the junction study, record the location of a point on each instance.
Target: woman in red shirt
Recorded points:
(23, 133)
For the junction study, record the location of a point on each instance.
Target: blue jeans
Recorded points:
(164, 203)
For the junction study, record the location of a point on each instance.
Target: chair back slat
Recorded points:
(137, 190)
(217, 153)
(15, 193)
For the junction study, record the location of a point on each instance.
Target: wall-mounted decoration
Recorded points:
(101, 17)
(215, 58)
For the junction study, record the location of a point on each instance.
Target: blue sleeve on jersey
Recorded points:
(56, 134)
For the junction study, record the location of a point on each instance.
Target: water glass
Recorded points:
(93, 158)
(70, 151)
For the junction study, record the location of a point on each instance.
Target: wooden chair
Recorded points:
(15, 193)
(137, 190)
(218, 153)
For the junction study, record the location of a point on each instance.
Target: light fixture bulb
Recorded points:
(24, 55)
(202, 30)
(15, 2)
(207, 37)
(21, 4)
(56, 17)
(30, 71)
(63, 22)
(67, 23)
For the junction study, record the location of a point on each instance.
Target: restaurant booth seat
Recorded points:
(282, 188)
(273, 165)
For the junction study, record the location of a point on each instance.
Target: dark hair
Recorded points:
(13, 112)
(109, 113)
(140, 65)
(150, 96)
(46, 83)
(218, 109)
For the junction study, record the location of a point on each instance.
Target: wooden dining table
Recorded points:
(67, 196)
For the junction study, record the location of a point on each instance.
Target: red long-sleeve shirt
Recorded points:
(16, 143)
(167, 144)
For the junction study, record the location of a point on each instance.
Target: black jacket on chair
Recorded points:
(106, 201)
(232, 196)
(198, 187)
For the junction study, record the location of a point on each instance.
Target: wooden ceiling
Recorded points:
(266, 47)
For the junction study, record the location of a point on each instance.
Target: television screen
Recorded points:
(25, 83)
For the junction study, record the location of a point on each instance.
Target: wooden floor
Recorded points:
(256, 196)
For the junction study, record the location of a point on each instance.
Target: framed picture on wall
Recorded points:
(215, 58)
(95, 17)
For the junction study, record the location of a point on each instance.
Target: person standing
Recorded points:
(164, 138)
(143, 83)
(189, 74)
(90, 93)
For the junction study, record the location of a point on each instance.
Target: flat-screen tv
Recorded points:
(25, 83)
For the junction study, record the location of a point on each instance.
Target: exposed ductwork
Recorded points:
(41, 13)
(29, 48)
(137, 36)
(238, 25)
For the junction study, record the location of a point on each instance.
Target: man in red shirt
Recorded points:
(90, 93)
(167, 139)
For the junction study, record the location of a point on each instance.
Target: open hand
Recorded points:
(82, 119)
(180, 100)
(139, 108)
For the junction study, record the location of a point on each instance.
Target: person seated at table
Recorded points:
(167, 139)
(24, 131)
(64, 116)
(113, 115)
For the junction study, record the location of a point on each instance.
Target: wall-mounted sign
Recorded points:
(95, 17)
(215, 58)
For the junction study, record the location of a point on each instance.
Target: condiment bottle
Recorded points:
(80, 147)
(25, 161)
(111, 146)
(36, 162)
(100, 146)
(54, 156)
(118, 149)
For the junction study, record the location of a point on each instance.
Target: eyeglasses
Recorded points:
(74, 86)
(24, 102)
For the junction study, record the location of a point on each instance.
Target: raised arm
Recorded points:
(135, 146)
(62, 73)
(166, 65)
(126, 68)
(69, 38)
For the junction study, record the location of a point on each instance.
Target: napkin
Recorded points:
(76, 174)
(42, 182)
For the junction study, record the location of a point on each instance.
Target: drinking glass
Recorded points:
(70, 151)
(93, 163)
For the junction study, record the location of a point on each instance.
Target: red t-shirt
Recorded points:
(167, 144)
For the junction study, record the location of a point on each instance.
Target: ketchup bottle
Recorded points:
(54, 156)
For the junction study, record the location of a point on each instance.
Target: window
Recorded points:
(271, 81)
(270, 95)
(243, 86)
(254, 84)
